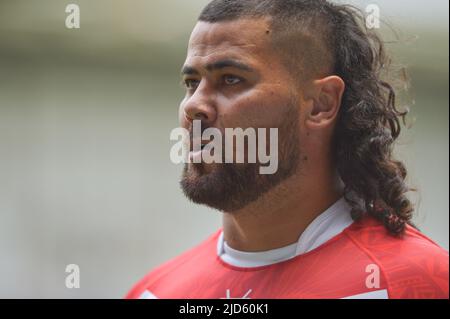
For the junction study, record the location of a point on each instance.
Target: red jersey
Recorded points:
(362, 261)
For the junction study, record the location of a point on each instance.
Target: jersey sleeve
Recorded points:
(413, 266)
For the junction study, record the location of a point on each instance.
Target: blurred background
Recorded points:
(85, 117)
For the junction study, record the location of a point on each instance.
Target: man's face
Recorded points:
(235, 79)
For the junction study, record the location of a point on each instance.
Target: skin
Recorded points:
(223, 95)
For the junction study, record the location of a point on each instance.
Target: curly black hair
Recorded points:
(368, 122)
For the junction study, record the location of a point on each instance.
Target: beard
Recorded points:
(229, 187)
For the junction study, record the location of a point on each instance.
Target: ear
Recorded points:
(326, 102)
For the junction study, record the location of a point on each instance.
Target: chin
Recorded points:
(225, 187)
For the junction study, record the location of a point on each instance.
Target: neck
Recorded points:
(279, 217)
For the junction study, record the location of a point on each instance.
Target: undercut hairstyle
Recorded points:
(319, 38)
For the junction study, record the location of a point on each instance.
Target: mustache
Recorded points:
(203, 128)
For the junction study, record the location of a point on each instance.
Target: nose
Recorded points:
(200, 106)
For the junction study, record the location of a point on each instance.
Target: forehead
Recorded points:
(242, 38)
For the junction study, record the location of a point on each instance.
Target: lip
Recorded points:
(202, 144)
(196, 156)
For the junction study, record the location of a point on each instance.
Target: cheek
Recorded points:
(263, 108)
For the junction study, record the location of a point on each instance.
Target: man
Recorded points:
(333, 221)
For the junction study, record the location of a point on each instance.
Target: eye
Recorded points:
(191, 84)
(231, 79)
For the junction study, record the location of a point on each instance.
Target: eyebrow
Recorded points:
(189, 70)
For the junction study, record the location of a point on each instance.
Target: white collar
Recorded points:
(327, 225)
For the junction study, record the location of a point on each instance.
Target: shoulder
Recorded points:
(412, 265)
(180, 265)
